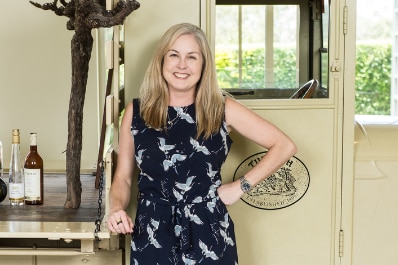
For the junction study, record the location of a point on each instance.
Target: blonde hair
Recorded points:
(209, 99)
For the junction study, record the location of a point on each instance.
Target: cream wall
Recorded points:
(376, 198)
(35, 76)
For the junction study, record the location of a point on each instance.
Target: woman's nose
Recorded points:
(181, 63)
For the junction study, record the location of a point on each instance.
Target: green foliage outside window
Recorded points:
(373, 74)
(373, 79)
(253, 69)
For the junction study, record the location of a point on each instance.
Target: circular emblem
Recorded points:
(282, 189)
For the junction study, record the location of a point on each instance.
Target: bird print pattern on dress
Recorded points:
(180, 218)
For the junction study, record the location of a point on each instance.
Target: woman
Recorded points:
(178, 135)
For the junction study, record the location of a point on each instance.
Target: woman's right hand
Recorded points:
(119, 222)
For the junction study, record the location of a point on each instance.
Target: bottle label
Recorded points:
(32, 184)
(16, 191)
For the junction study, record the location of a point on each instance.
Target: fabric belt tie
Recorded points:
(181, 218)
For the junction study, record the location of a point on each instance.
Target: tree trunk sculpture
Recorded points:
(83, 15)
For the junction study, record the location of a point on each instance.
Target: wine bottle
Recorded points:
(33, 173)
(3, 185)
(16, 182)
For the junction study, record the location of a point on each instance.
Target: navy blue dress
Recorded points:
(180, 218)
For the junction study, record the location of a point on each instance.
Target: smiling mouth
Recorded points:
(179, 75)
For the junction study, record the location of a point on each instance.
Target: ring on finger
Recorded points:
(118, 221)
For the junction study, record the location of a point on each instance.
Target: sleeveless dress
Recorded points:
(180, 218)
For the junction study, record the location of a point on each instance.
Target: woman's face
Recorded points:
(182, 66)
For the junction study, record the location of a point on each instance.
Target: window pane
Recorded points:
(261, 53)
(373, 58)
(242, 50)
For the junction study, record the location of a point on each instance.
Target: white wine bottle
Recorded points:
(33, 173)
(16, 183)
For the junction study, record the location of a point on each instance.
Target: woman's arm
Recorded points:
(250, 125)
(120, 191)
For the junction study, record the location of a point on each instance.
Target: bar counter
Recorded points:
(52, 210)
(51, 220)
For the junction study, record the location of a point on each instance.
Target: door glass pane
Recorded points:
(267, 51)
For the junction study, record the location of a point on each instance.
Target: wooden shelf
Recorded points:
(53, 209)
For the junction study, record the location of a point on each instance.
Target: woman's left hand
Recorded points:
(230, 193)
